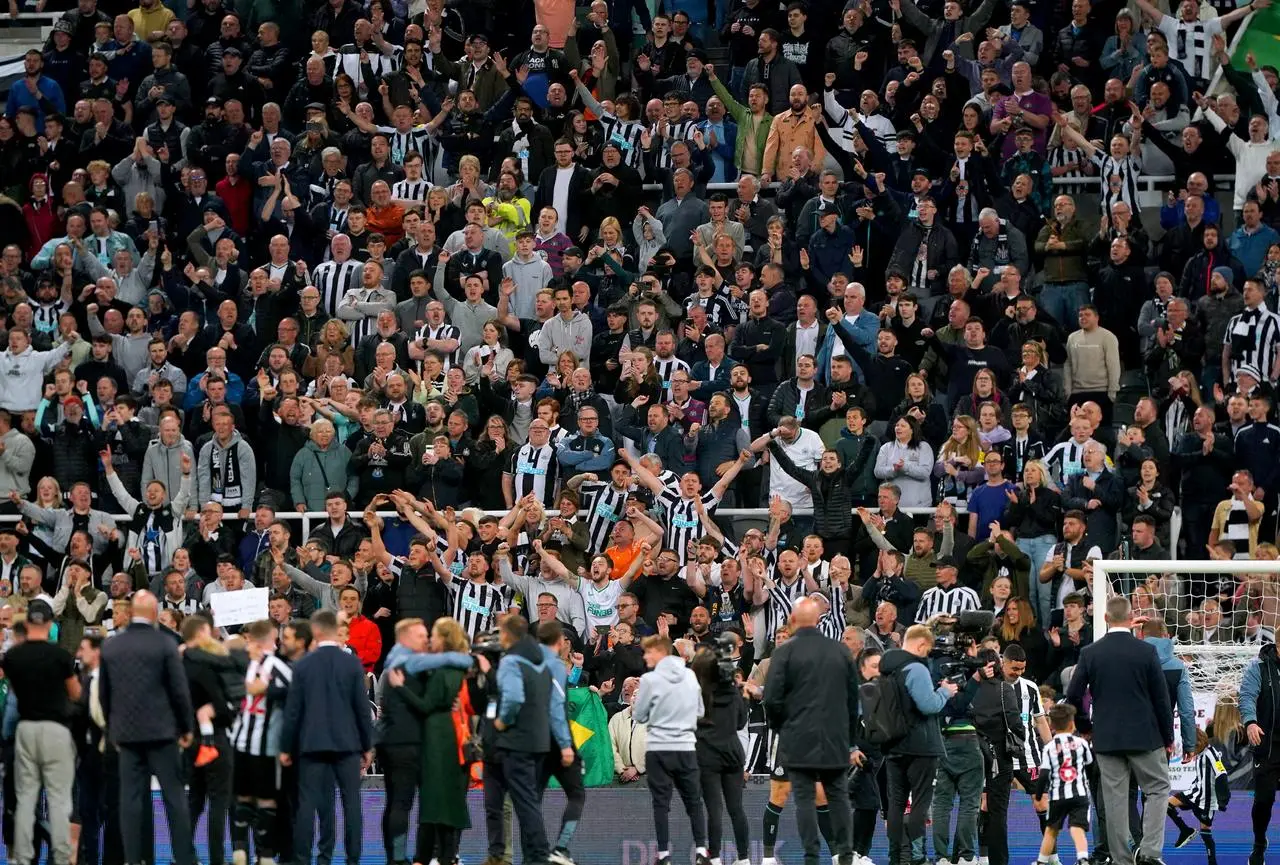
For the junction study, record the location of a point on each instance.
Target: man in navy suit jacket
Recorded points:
(328, 732)
(1132, 730)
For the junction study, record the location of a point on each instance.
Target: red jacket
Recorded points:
(239, 200)
(43, 225)
(364, 638)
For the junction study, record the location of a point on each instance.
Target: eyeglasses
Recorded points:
(544, 604)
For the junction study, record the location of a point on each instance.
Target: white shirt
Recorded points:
(560, 197)
(806, 453)
(807, 339)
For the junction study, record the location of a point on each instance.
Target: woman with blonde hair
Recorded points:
(1034, 516)
(959, 467)
(470, 187)
(442, 793)
(611, 244)
(335, 338)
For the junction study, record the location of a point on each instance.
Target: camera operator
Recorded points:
(912, 761)
(961, 770)
(864, 791)
(997, 714)
(719, 749)
(670, 703)
(811, 702)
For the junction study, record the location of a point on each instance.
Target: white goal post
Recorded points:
(1215, 669)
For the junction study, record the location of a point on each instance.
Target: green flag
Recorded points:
(589, 727)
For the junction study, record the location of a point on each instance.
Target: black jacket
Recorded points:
(832, 493)
(811, 701)
(718, 747)
(925, 736)
(1132, 712)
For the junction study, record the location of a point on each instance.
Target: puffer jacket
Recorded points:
(316, 471)
(75, 454)
(163, 463)
(832, 494)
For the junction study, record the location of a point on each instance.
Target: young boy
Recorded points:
(1209, 793)
(1062, 765)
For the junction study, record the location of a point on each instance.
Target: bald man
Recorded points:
(811, 701)
(144, 696)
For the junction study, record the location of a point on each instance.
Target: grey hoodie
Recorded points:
(530, 277)
(669, 704)
(130, 350)
(232, 497)
(163, 463)
(558, 335)
(15, 463)
(1184, 700)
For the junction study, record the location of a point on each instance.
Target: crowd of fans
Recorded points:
(556, 264)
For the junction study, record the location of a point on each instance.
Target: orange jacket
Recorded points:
(387, 221)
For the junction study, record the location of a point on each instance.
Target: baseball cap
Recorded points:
(945, 562)
(39, 612)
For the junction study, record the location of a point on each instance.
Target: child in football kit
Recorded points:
(1062, 765)
(1209, 792)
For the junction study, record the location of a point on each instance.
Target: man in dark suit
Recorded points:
(811, 701)
(1132, 730)
(565, 171)
(328, 683)
(144, 697)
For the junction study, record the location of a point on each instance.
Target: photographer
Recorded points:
(912, 761)
(997, 714)
(719, 749)
(961, 770)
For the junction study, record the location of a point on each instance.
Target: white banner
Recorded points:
(239, 608)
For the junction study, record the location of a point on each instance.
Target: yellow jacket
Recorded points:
(509, 217)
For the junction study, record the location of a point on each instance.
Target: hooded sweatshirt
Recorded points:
(530, 277)
(131, 350)
(15, 463)
(1175, 670)
(163, 463)
(227, 475)
(558, 335)
(669, 703)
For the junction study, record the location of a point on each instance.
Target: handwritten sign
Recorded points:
(239, 608)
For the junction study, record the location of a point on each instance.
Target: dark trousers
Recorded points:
(575, 792)
(1197, 519)
(804, 788)
(211, 783)
(996, 825)
(675, 770)
(401, 773)
(515, 773)
(286, 813)
(91, 803)
(137, 765)
(722, 791)
(436, 841)
(1266, 777)
(908, 777)
(317, 776)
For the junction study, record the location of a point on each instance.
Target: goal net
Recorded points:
(1218, 613)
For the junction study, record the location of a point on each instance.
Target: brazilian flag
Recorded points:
(589, 727)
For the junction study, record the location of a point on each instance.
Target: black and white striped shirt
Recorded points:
(1066, 460)
(1203, 792)
(444, 331)
(414, 191)
(1061, 156)
(337, 222)
(940, 601)
(1118, 180)
(1030, 708)
(681, 130)
(1063, 762)
(476, 606)
(606, 505)
(626, 134)
(256, 729)
(833, 623)
(820, 571)
(334, 280)
(417, 140)
(682, 522)
(45, 317)
(667, 367)
(536, 470)
(1253, 335)
(719, 310)
(782, 597)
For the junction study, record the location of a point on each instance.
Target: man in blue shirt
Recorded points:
(35, 91)
(988, 503)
